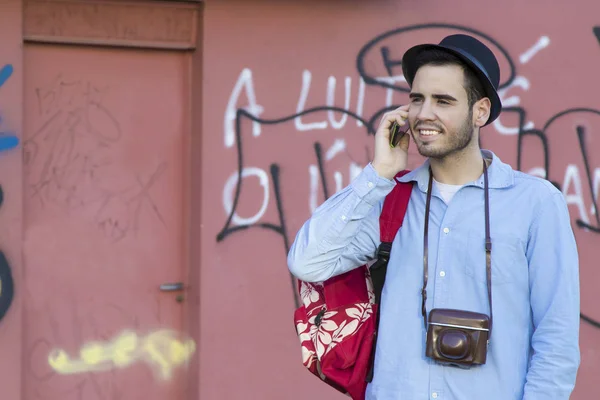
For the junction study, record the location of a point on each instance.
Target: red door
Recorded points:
(104, 141)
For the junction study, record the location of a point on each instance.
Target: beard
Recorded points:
(450, 143)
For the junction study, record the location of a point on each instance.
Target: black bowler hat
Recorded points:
(475, 54)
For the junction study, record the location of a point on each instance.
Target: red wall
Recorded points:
(268, 61)
(275, 59)
(11, 216)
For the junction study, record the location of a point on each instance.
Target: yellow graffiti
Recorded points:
(160, 349)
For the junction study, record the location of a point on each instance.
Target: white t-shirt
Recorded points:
(447, 191)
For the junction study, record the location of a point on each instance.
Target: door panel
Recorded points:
(104, 208)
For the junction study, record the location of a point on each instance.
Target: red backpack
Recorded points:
(337, 323)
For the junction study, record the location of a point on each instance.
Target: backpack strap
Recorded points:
(390, 220)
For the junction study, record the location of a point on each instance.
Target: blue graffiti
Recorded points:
(5, 73)
(7, 140)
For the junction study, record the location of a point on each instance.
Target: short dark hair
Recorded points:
(472, 84)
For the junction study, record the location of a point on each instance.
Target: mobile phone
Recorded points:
(395, 134)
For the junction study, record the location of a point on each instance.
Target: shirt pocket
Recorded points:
(509, 263)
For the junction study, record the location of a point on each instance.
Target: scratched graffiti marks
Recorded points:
(72, 160)
(392, 82)
(121, 212)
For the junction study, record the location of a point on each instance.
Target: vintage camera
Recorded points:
(456, 337)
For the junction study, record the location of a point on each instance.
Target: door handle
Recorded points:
(171, 287)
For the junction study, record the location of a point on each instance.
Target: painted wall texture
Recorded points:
(293, 91)
(11, 210)
(187, 142)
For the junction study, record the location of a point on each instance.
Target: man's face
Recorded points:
(441, 121)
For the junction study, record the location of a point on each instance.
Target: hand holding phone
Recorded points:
(391, 143)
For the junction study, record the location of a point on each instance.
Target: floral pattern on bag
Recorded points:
(317, 339)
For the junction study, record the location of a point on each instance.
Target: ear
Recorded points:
(481, 111)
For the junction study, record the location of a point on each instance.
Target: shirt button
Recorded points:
(370, 184)
(343, 217)
(442, 274)
(434, 395)
(446, 230)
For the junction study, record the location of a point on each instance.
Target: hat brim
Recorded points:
(409, 70)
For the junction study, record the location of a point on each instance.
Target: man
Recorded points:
(533, 351)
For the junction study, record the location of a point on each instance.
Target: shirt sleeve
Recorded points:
(554, 291)
(343, 232)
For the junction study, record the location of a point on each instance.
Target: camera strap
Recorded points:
(488, 245)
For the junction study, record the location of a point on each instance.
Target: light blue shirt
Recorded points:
(534, 350)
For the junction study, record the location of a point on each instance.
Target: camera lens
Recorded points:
(453, 344)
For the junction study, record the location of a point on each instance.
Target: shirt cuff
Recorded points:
(371, 187)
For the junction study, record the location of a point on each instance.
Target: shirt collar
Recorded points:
(500, 175)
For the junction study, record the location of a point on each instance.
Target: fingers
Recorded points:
(399, 115)
(404, 141)
(403, 108)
